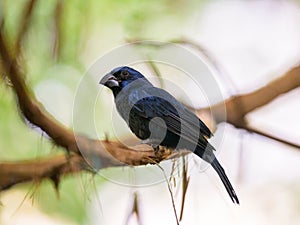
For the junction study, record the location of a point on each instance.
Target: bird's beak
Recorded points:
(109, 81)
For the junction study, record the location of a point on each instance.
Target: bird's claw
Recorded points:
(154, 143)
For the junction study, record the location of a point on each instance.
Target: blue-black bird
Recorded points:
(157, 118)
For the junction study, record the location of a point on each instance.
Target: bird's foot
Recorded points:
(154, 143)
(156, 149)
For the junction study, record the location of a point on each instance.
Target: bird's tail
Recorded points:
(219, 169)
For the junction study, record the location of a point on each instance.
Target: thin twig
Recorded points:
(134, 210)
(57, 45)
(173, 171)
(201, 49)
(171, 194)
(185, 183)
(156, 71)
(24, 25)
(272, 137)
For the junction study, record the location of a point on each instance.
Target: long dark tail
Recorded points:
(219, 169)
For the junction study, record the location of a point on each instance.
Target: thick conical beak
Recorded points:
(109, 81)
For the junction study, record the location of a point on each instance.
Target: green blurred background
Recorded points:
(63, 39)
(253, 41)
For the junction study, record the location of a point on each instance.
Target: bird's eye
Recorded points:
(124, 74)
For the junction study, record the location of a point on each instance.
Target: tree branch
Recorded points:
(258, 98)
(29, 106)
(238, 107)
(108, 153)
(57, 45)
(12, 173)
(24, 24)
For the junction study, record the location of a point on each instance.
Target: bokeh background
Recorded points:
(253, 42)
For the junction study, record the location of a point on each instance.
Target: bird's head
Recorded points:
(119, 78)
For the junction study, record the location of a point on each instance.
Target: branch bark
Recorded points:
(12, 173)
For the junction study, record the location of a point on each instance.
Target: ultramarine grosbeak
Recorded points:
(157, 118)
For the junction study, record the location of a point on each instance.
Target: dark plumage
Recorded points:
(156, 117)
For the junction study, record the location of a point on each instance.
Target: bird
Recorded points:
(158, 119)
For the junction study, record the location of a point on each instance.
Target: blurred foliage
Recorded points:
(72, 198)
(71, 34)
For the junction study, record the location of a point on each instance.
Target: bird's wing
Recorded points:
(178, 119)
(204, 129)
(189, 117)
